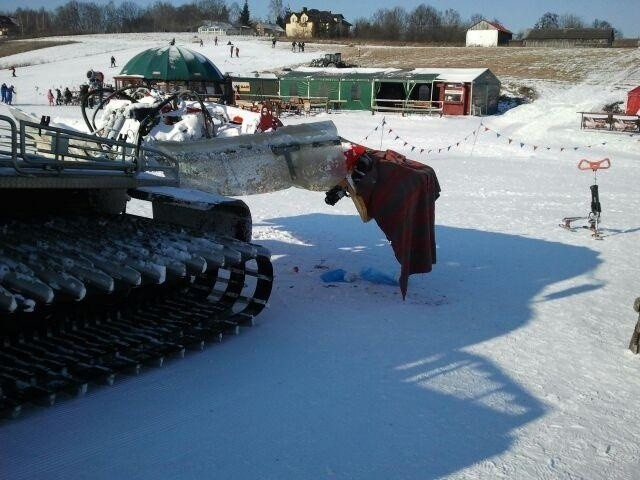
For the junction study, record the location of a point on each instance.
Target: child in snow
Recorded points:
(50, 98)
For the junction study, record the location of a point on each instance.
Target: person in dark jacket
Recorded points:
(3, 91)
(68, 96)
(9, 95)
(58, 97)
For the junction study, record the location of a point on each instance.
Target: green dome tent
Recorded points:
(172, 67)
(172, 63)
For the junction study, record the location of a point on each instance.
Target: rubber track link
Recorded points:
(60, 348)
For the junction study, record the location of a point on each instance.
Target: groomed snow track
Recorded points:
(172, 291)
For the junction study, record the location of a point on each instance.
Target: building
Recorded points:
(214, 28)
(170, 68)
(269, 30)
(487, 34)
(569, 37)
(316, 23)
(9, 26)
(633, 102)
(450, 91)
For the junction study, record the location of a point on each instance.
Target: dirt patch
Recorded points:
(554, 64)
(13, 47)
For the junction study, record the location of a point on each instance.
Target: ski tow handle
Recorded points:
(597, 165)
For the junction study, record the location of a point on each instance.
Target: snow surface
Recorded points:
(509, 360)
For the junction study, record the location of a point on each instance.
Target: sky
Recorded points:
(515, 15)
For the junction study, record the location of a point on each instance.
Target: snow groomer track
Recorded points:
(85, 298)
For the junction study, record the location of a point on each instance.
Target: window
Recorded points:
(323, 90)
(356, 94)
(453, 96)
(293, 90)
(424, 93)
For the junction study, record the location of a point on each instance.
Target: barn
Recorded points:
(633, 102)
(488, 34)
(569, 37)
(171, 67)
(449, 91)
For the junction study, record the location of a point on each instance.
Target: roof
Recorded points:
(172, 63)
(495, 25)
(569, 33)
(457, 75)
(220, 25)
(8, 22)
(634, 91)
(322, 16)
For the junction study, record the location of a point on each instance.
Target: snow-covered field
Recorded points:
(509, 360)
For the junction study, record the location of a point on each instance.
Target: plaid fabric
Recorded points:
(400, 195)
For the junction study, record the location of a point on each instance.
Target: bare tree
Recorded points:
(569, 20)
(275, 10)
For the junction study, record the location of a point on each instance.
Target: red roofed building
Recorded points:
(488, 34)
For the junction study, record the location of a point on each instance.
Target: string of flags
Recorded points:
(383, 127)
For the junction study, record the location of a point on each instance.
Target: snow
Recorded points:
(509, 360)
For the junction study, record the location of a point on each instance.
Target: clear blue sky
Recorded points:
(515, 15)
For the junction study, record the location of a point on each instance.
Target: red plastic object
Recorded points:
(353, 154)
(599, 165)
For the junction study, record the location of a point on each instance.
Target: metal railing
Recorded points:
(39, 149)
(407, 106)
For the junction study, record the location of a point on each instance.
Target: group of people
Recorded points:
(233, 48)
(294, 45)
(60, 98)
(7, 93)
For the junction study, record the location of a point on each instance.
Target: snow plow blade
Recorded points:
(308, 156)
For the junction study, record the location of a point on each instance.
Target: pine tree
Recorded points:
(245, 16)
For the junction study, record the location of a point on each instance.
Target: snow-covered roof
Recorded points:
(451, 74)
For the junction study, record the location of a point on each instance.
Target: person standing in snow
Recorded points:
(68, 96)
(13, 71)
(50, 98)
(215, 41)
(237, 52)
(58, 97)
(273, 42)
(113, 61)
(3, 91)
(201, 43)
(293, 46)
(9, 95)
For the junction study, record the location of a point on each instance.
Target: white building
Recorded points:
(215, 28)
(487, 34)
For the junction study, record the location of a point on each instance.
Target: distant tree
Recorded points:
(234, 13)
(601, 24)
(215, 10)
(475, 18)
(451, 18)
(569, 20)
(245, 16)
(548, 20)
(391, 23)
(421, 22)
(275, 10)
(284, 17)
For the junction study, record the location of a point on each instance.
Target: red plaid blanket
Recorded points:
(400, 195)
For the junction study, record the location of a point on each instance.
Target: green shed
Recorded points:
(171, 66)
(347, 89)
(448, 91)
